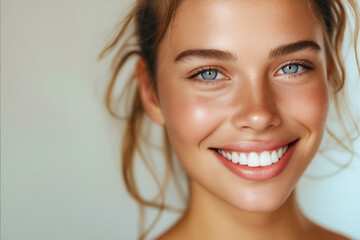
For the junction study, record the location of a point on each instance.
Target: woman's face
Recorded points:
(244, 79)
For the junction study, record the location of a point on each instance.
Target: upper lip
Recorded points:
(254, 146)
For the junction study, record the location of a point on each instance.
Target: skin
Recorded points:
(251, 100)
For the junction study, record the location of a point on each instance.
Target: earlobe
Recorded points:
(147, 92)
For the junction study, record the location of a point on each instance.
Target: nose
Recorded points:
(256, 109)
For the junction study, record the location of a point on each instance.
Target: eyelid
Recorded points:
(196, 72)
(301, 62)
(199, 70)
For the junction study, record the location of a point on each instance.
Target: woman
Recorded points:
(242, 89)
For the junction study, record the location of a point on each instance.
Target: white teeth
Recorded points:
(234, 157)
(280, 153)
(274, 157)
(223, 153)
(285, 149)
(253, 160)
(243, 159)
(265, 159)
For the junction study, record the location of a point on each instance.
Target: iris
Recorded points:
(290, 69)
(209, 74)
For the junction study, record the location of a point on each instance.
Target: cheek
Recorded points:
(189, 119)
(308, 106)
(306, 110)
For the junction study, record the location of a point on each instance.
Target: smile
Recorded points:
(256, 161)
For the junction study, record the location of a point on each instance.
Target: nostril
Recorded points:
(257, 120)
(257, 109)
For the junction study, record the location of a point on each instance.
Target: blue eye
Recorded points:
(291, 69)
(209, 74)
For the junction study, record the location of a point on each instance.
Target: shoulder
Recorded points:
(319, 233)
(316, 233)
(178, 231)
(171, 235)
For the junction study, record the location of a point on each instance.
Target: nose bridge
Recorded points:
(256, 107)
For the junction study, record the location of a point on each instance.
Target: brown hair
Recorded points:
(151, 19)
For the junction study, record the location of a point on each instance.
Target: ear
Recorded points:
(147, 92)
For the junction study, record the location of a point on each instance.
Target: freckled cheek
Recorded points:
(308, 107)
(193, 122)
(188, 119)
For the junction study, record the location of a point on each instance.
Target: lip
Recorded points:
(257, 173)
(254, 146)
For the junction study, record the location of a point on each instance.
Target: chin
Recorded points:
(262, 206)
(266, 201)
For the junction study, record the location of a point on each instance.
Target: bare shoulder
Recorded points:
(177, 231)
(319, 232)
(167, 236)
(171, 234)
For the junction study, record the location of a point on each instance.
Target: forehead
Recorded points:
(251, 25)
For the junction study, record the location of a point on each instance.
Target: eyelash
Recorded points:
(301, 62)
(209, 68)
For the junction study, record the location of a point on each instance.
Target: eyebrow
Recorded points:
(206, 53)
(293, 47)
(228, 56)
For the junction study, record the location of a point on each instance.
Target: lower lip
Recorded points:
(258, 173)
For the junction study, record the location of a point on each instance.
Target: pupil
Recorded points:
(291, 68)
(209, 75)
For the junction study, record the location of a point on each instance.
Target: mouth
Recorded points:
(254, 164)
(255, 159)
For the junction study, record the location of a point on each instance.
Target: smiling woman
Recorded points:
(242, 89)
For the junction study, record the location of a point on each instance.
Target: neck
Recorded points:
(210, 217)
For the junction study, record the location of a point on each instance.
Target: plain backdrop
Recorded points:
(60, 175)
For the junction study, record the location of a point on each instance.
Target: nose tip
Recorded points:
(258, 120)
(257, 107)
(257, 115)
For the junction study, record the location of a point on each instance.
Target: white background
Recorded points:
(60, 175)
